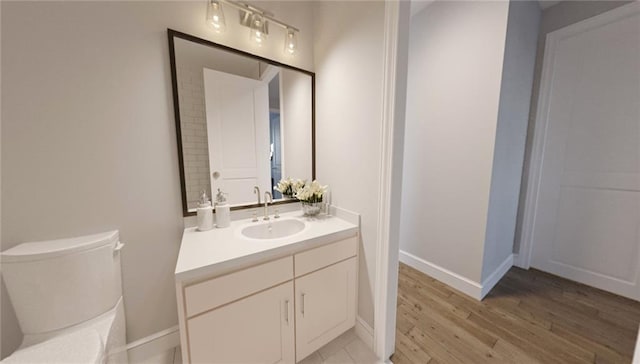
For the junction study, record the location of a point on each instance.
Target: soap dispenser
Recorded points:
(205, 213)
(223, 213)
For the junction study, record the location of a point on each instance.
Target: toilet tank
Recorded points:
(60, 283)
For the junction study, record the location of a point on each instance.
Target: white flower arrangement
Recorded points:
(289, 187)
(298, 185)
(311, 193)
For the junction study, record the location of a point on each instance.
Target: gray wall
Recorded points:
(348, 58)
(553, 18)
(513, 114)
(7, 317)
(456, 51)
(88, 135)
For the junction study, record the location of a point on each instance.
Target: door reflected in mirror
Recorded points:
(242, 121)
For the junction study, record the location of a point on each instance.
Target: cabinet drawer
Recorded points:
(215, 292)
(323, 256)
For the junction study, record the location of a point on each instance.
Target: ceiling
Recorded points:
(418, 5)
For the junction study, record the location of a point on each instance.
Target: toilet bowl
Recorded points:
(67, 295)
(82, 346)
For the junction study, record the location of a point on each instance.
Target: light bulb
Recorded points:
(290, 42)
(258, 30)
(215, 16)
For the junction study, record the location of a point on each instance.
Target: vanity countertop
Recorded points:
(217, 251)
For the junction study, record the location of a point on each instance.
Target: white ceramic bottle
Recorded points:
(223, 211)
(205, 213)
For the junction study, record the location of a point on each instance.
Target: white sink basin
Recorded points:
(273, 229)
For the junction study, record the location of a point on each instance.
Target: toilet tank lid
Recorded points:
(53, 248)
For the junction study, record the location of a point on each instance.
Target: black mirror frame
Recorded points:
(172, 34)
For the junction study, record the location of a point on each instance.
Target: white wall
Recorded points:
(513, 115)
(348, 58)
(88, 139)
(558, 16)
(456, 51)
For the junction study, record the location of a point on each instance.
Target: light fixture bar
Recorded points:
(281, 24)
(253, 9)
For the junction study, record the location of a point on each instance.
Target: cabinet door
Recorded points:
(255, 329)
(325, 306)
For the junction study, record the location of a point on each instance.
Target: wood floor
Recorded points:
(529, 317)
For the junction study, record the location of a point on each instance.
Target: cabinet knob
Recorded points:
(302, 304)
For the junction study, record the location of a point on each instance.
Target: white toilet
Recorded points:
(67, 295)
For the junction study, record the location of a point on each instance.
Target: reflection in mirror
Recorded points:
(246, 118)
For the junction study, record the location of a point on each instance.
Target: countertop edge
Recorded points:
(239, 263)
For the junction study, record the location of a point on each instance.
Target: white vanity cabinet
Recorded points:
(258, 328)
(242, 317)
(326, 292)
(278, 311)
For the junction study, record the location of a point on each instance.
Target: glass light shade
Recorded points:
(290, 42)
(258, 27)
(215, 16)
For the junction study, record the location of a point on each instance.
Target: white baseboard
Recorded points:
(462, 284)
(518, 261)
(364, 332)
(496, 276)
(142, 349)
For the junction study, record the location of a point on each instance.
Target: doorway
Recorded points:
(582, 218)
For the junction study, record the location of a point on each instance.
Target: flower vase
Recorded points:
(311, 208)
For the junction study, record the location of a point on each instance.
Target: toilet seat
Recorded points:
(81, 347)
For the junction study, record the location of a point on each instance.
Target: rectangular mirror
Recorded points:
(241, 121)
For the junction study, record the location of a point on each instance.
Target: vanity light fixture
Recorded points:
(256, 19)
(259, 29)
(215, 16)
(290, 42)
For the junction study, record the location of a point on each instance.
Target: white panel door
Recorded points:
(325, 306)
(588, 208)
(237, 111)
(256, 329)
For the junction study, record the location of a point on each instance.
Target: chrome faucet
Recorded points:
(256, 190)
(266, 204)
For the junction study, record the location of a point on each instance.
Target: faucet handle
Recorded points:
(255, 217)
(256, 190)
(276, 216)
(266, 204)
